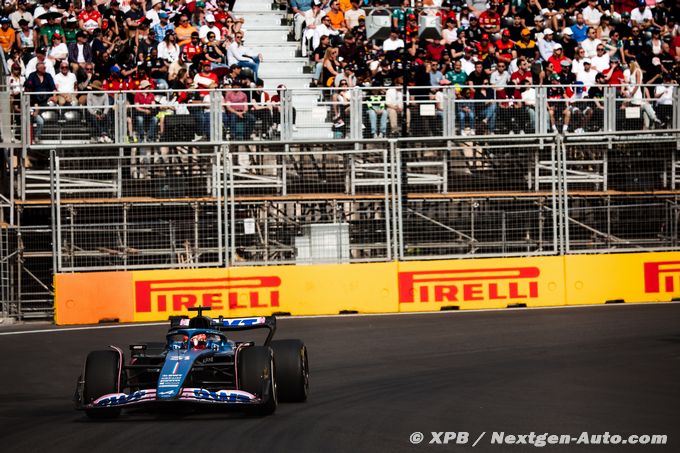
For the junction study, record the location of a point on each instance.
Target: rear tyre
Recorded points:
(102, 370)
(292, 370)
(256, 376)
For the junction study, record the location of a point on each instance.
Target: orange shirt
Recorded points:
(7, 39)
(184, 33)
(345, 5)
(337, 19)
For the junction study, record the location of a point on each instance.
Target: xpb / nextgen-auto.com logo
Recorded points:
(466, 285)
(218, 293)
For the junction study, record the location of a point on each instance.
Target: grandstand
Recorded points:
(484, 134)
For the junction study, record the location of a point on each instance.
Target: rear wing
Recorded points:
(226, 324)
(260, 322)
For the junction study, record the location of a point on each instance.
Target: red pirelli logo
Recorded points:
(218, 293)
(516, 283)
(662, 276)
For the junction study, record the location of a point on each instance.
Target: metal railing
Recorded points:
(239, 203)
(343, 114)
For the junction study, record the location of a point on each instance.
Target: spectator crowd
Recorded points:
(493, 52)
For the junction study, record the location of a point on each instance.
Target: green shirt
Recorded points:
(456, 78)
(70, 35)
(49, 31)
(400, 15)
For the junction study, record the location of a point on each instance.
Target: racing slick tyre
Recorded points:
(256, 376)
(292, 370)
(102, 376)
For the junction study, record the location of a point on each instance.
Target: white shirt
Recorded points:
(449, 36)
(170, 54)
(591, 15)
(600, 63)
(33, 62)
(236, 53)
(664, 94)
(498, 79)
(203, 32)
(546, 48)
(640, 17)
(152, 15)
(587, 78)
(395, 44)
(590, 46)
(65, 83)
(352, 17)
(577, 65)
(81, 58)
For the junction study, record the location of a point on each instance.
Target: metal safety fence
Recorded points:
(339, 112)
(190, 205)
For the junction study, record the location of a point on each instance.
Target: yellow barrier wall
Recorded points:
(634, 277)
(368, 288)
(482, 283)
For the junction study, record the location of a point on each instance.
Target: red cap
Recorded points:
(506, 32)
(485, 37)
(411, 16)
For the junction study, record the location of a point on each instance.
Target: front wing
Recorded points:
(192, 395)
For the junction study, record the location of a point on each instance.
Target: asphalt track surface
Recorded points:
(377, 379)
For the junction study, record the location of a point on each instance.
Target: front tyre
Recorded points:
(292, 370)
(256, 376)
(102, 377)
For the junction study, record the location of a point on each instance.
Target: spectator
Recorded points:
(90, 18)
(146, 121)
(337, 17)
(26, 39)
(393, 42)
(41, 85)
(642, 16)
(299, 7)
(601, 60)
(238, 118)
(663, 94)
(313, 18)
(209, 27)
(79, 52)
(65, 82)
(58, 52)
(465, 110)
(98, 113)
(353, 14)
(185, 30)
(592, 14)
(163, 26)
(376, 108)
(546, 44)
(527, 47)
(168, 49)
(569, 46)
(587, 75)
(579, 29)
(242, 56)
(7, 35)
(505, 48)
(591, 43)
(21, 13)
(638, 95)
(394, 101)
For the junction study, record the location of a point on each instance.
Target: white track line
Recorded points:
(354, 315)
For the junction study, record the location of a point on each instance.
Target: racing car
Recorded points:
(197, 365)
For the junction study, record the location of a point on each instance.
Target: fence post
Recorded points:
(355, 116)
(609, 109)
(286, 115)
(676, 108)
(541, 111)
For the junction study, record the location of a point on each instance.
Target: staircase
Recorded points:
(266, 30)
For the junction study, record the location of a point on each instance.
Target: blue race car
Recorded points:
(197, 365)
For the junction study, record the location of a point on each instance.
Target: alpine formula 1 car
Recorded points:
(197, 365)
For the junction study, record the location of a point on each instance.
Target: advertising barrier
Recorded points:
(138, 296)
